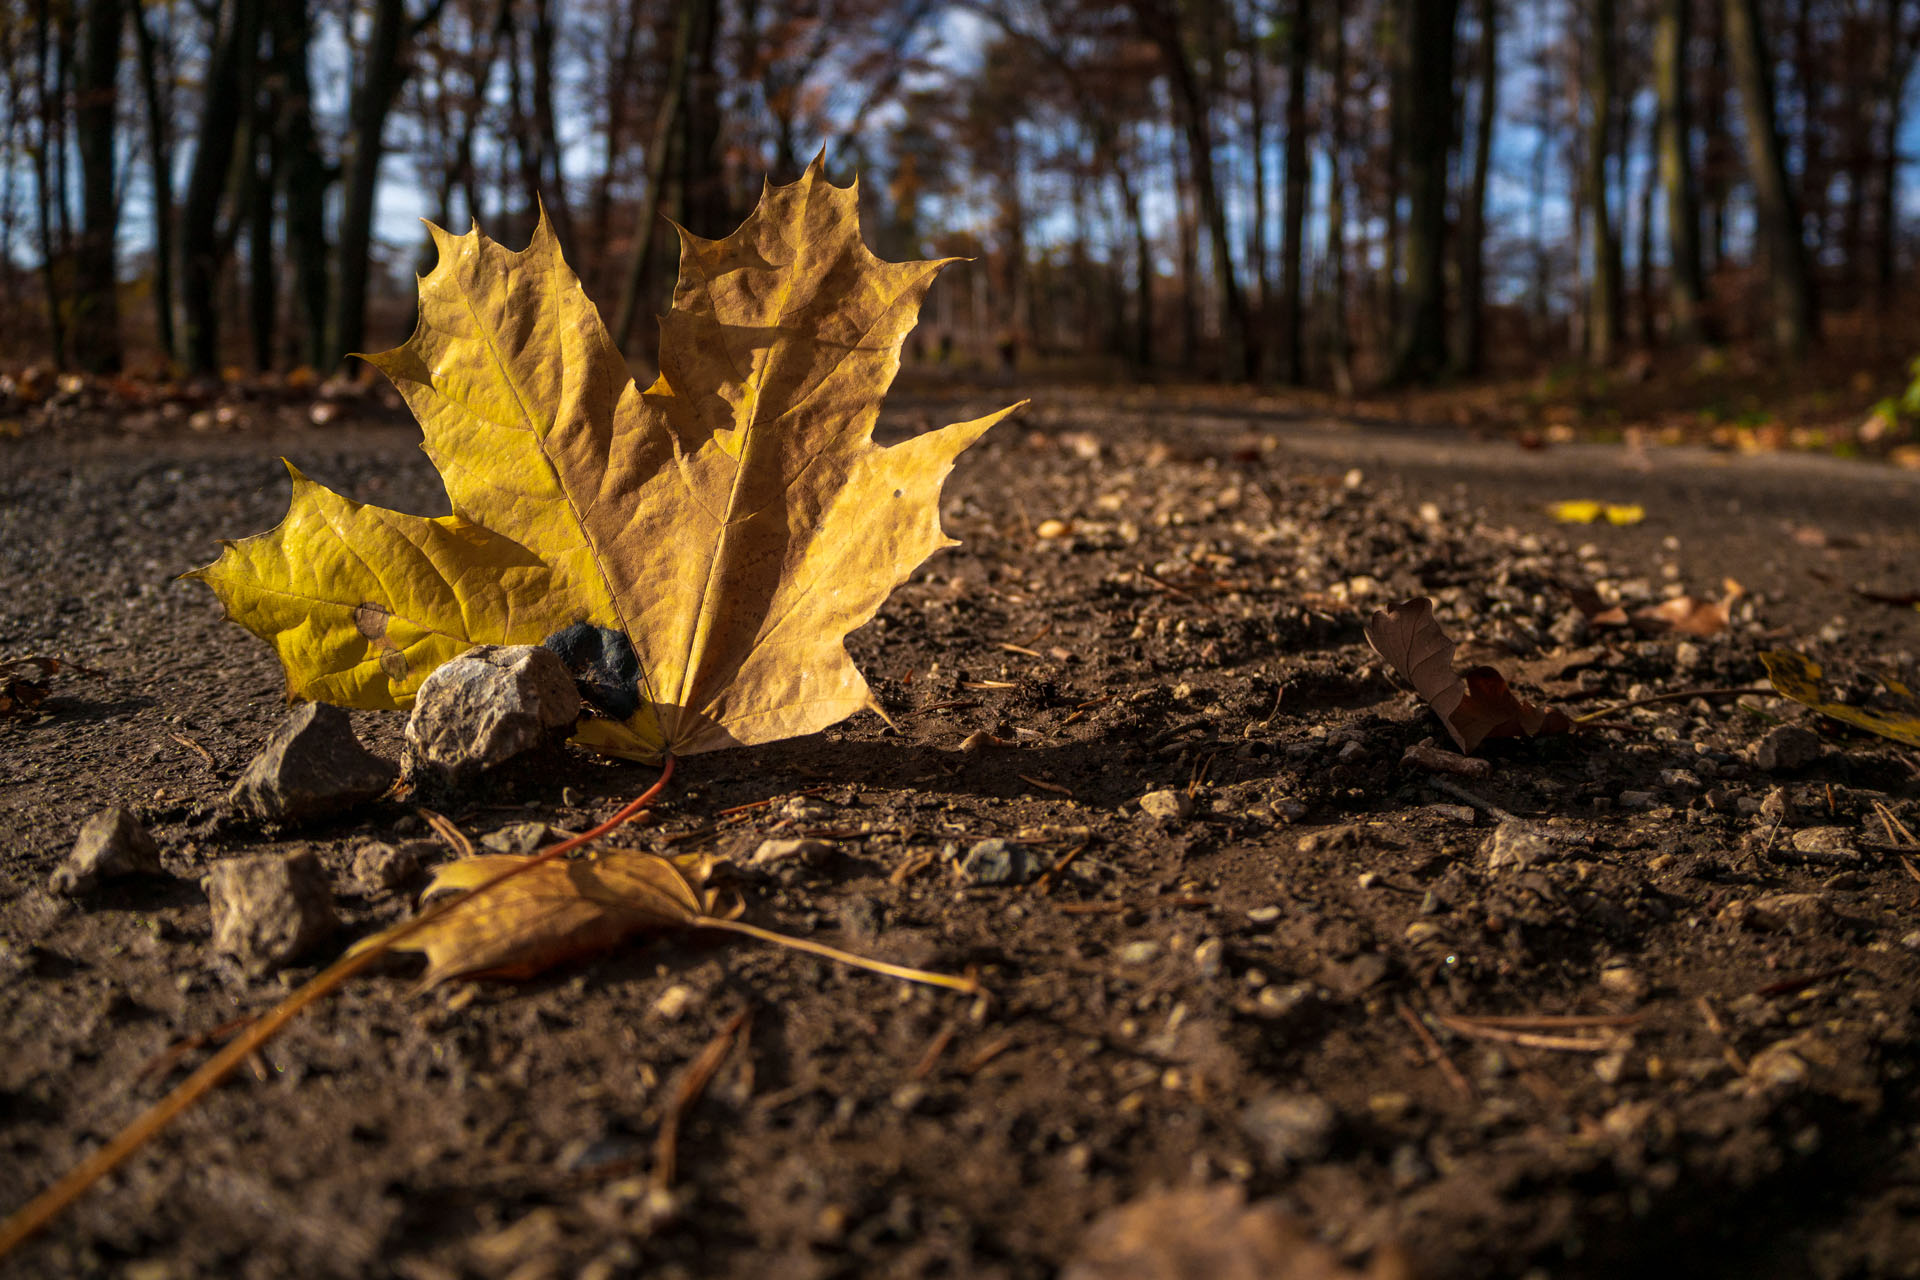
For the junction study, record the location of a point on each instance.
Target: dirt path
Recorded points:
(1251, 993)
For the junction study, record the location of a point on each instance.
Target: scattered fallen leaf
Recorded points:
(559, 911)
(1796, 676)
(1691, 615)
(1211, 1233)
(1474, 705)
(1598, 612)
(22, 693)
(1583, 511)
(718, 533)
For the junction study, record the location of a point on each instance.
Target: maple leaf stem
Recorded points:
(34, 1216)
(965, 985)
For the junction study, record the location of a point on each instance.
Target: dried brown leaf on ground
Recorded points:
(1597, 611)
(1796, 676)
(697, 550)
(559, 911)
(1211, 1233)
(24, 682)
(1690, 615)
(1474, 705)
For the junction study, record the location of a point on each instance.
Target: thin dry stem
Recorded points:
(34, 1216)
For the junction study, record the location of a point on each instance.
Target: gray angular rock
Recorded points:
(517, 837)
(311, 767)
(487, 706)
(997, 862)
(111, 843)
(1515, 844)
(270, 910)
(1787, 747)
(379, 867)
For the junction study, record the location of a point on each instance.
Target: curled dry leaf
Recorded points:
(711, 539)
(1796, 676)
(1473, 705)
(22, 693)
(559, 911)
(1690, 615)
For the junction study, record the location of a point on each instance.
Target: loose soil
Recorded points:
(1734, 1094)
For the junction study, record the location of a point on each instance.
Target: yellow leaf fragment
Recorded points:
(1585, 511)
(558, 911)
(730, 524)
(1796, 676)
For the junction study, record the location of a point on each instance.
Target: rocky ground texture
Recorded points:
(1639, 998)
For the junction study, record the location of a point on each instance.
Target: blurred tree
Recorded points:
(1794, 321)
(1425, 50)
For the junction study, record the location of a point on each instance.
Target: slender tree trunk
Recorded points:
(263, 268)
(1142, 270)
(1471, 241)
(305, 179)
(1794, 319)
(46, 188)
(1260, 305)
(665, 129)
(1604, 310)
(96, 293)
(1340, 341)
(1162, 26)
(1299, 61)
(1643, 255)
(383, 73)
(220, 120)
(1686, 283)
(160, 163)
(1189, 242)
(1900, 59)
(1421, 345)
(619, 108)
(552, 184)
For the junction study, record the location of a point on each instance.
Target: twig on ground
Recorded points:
(1044, 885)
(194, 747)
(1435, 1053)
(443, 827)
(1526, 1039)
(1676, 696)
(975, 1064)
(693, 1082)
(941, 1039)
(1465, 796)
(32, 1217)
(1431, 758)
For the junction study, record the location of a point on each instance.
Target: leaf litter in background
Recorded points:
(730, 524)
(1474, 705)
(25, 682)
(1686, 614)
(1797, 677)
(1584, 511)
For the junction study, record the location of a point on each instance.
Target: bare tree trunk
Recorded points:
(1604, 311)
(1340, 342)
(1794, 320)
(160, 164)
(220, 119)
(96, 291)
(1686, 286)
(305, 178)
(47, 188)
(1421, 344)
(384, 71)
(552, 184)
(1261, 304)
(1162, 25)
(1471, 242)
(666, 128)
(1643, 254)
(1299, 62)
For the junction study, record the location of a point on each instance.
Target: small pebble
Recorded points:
(111, 844)
(1515, 844)
(1166, 805)
(996, 862)
(1291, 1128)
(1210, 957)
(1639, 799)
(1145, 951)
(270, 910)
(776, 851)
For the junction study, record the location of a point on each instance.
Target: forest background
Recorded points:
(1363, 194)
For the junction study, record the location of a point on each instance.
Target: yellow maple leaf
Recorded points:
(703, 546)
